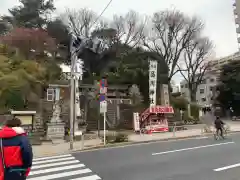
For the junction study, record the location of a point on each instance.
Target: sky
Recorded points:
(217, 15)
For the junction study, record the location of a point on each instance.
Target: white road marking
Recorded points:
(52, 157)
(52, 160)
(227, 167)
(192, 148)
(55, 164)
(56, 169)
(60, 175)
(94, 177)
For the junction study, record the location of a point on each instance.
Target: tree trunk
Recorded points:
(192, 100)
(193, 95)
(86, 110)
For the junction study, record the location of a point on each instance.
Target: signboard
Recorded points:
(102, 96)
(103, 90)
(153, 82)
(25, 119)
(161, 109)
(136, 121)
(78, 68)
(55, 130)
(164, 95)
(158, 126)
(103, 106)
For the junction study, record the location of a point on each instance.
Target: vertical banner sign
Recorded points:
(102, 97)
(153, 82)
(136, 122)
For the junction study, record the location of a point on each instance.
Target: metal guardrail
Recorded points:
(204, 129)
(211, 129)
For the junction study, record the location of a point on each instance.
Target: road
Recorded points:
(198, 159)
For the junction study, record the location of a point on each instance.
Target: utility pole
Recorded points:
(77, 45)
(72, 100)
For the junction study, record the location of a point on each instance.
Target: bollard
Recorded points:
(202, 131)
(82, 139)
(174, 130)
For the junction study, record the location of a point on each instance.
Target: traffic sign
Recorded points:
(102, 97)
(103, 90)
(103, 83)
(103, 106)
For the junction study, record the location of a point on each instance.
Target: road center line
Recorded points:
(192, 148)
(227, 167)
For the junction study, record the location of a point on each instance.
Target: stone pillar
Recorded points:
(55, 129)
(164, 95)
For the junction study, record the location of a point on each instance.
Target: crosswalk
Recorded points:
(62, 167)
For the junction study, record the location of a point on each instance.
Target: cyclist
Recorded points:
(219, 126)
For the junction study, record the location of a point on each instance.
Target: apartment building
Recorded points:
(211, 78)
(204, 91)
(236, 11)
(216, 65)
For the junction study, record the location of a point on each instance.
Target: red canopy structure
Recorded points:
(154, 119)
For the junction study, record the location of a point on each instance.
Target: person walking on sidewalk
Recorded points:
(15, 152)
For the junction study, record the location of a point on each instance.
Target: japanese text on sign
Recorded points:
(161, 109)
(152, 82)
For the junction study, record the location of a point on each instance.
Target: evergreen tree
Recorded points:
(31, 13)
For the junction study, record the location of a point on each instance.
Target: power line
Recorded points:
(100, 15)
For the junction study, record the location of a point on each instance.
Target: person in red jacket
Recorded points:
(16, 152)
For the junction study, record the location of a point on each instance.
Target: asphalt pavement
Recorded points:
(198, 159)
(191, 159)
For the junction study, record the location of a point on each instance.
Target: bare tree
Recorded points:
(195, 64)
(82, 22)
(170, 33)
(129, 28)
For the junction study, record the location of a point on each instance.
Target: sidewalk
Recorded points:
(193, 131)
(50, 149)
(165, 136)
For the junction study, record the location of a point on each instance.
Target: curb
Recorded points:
(116, 145)
(130, 143)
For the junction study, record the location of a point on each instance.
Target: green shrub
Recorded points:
(110, 138)
(121, 138)
(117, 138)
(194, 110)
(190, 119)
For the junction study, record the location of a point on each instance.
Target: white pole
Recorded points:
(104, 128)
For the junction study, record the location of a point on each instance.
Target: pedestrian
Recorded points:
(16, 152)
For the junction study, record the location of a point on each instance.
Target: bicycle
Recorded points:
(225, 129)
